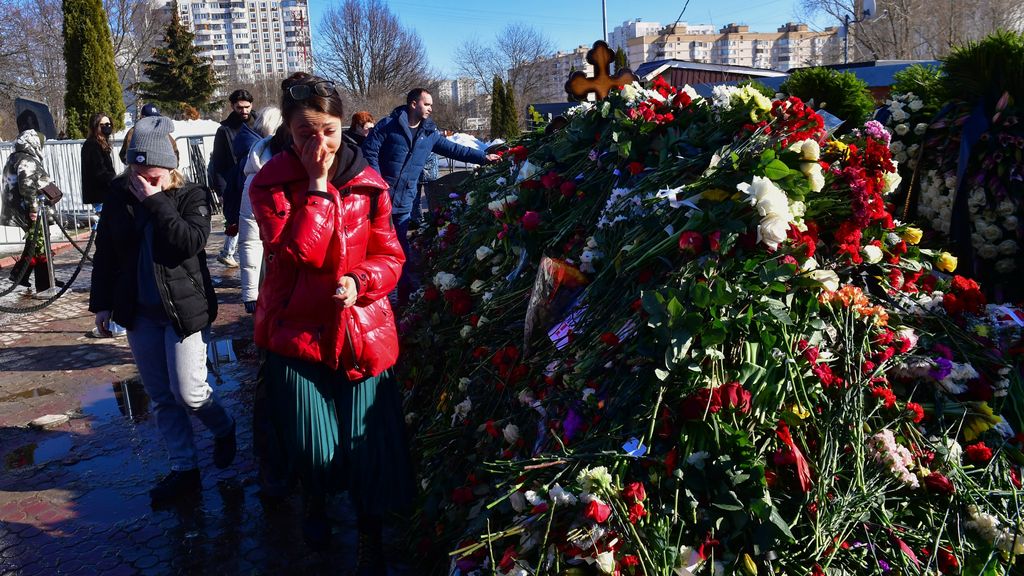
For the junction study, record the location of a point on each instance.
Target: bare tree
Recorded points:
(367, 50)
(911, 29)
(31, 57)
(508, 57)
(136, 29)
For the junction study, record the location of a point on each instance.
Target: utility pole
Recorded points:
(604, 18)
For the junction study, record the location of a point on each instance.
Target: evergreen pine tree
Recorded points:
(511, 114)
(621, 60)
(92, 84)
(178, 77)
(497, 108)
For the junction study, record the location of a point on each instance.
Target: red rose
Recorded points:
(431, 293)
(568, 188)
(597, 511)
(530, 220)
(609, 339)
(519, 153)
(634, 492)
(978, 453)
(939, 484)
(948, 563)
(636, 512)
(691, 243)
(551, 180)
(715, 241)
(462, 495)
(460, 301)
(734, 396)
(635, 168)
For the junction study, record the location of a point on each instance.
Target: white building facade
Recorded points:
(251, 39)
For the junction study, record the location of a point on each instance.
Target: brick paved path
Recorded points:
(73, 497)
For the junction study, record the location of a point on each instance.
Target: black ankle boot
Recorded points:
(316, 529)
(42, 276)
(370, 548)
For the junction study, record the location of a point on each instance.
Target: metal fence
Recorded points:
(63, 162)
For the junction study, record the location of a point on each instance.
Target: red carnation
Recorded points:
(597, 511)
(885, 395)
(460, 301)
(635, 168)
(530, 220)
(634, 492)
(978, 453)
(691, 243)
(609, 339)
(519, 153)
(917, 412)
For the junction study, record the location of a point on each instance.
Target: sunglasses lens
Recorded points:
(325, 89)
(300, 92)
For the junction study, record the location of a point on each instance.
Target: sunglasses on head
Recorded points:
(323, 88)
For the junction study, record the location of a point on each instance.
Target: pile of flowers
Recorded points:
(688, 336)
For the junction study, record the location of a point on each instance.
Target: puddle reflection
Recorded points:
(126, 398)
(27, 394)
(38, 452)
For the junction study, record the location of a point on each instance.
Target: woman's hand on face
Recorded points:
(347, 292)
(317, 160)
(142, 188)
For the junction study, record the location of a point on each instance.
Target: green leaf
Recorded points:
(675, 308)
(776, 170)
(701, 295)
(781, 524)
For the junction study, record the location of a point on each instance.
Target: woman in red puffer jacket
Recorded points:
(332, 404)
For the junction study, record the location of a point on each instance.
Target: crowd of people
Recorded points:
(318, 215)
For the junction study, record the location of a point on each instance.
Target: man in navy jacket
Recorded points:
(398, 147)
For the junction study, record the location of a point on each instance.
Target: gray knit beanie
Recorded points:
(151, 143)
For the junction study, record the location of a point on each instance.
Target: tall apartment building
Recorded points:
(555, 70)
(791, 46)
(621, 34)
(250, 39)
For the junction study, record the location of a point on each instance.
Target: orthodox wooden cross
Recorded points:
(601, 58)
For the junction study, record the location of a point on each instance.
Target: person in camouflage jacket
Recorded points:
(23, 178)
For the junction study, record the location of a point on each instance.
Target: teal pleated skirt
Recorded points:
(335, 435)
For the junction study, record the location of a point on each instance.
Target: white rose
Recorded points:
(892, 181)
(991, 233)
(772, 202)
(902, 129)
(1010, 223)
(1005, 208)
(920, 129)
(915, 105)
(466, 330)
(899, 115)
(809, 264)
(897, 147)
(988, 252)
(812, 170)
(511, 433)
(1005, 266)
(605, 562)
(810, 150)
(872, 254)
(1007, 248)
(483, 253)
(828, 278)
(773, 230)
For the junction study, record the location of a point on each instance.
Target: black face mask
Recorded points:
(107, 130)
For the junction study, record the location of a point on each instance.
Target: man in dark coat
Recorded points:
(223, 160)
(398, 147)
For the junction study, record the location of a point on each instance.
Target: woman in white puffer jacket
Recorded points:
(250, 247)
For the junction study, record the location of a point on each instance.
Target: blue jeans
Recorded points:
(409, 281)
(173, 373)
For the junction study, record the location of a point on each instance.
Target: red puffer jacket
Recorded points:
(312, 241)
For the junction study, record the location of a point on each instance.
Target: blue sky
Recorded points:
(569, 23)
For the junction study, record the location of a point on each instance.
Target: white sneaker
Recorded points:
(228, 261)
(46, 294)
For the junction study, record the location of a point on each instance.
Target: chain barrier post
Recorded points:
(47, 249)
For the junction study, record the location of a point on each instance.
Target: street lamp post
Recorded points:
(604, 18)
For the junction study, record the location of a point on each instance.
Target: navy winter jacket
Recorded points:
(390, 150)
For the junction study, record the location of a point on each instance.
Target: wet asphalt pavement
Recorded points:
(74, 496)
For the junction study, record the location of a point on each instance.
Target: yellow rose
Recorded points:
(912, 235)
(946, 262)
